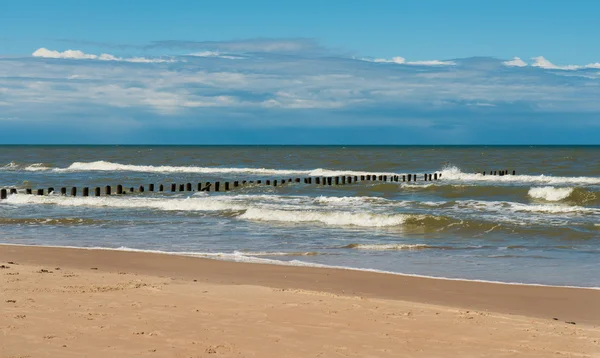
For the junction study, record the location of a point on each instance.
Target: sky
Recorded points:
(309, 72)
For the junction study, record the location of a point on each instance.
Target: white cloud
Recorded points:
(402, 61)
(542, 62)
(399, 60)
(70, 54)
(214, 54)
(593, 65)
(515, 62)
(80, 55)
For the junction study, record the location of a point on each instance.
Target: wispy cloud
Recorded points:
(215, 54)
(80, 55)
(283, 46)
(402, 61)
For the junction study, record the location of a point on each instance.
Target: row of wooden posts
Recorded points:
(499, 172)
(216, 186)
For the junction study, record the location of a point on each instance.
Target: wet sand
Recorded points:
(59, 302)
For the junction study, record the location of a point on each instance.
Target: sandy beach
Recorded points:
(94, 303)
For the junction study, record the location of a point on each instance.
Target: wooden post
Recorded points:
(119, 189)
(141, 189)
(181, 187)
(409, 177)
(259, 182)
(317, 180)
(268, 182)
(107, 190)
(188, 187)
(429, 177)
(207, 186)
(337, 180)
(404, 177)
(150, 187)
(131, 190)
(50, 190)
(514, 172)
(161, 187)
(28, 191)
(329, 179)
(226, 186)
(236, 184)
(349, 180)
(435, 176)
(40, 192)
(86, 191)
(199, 186)
(73, 191)
(217, 184)
(297, 180)
(63, 191)
(97, 191)
(173, 187)
(3, 194)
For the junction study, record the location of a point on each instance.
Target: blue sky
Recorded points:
(310, 72)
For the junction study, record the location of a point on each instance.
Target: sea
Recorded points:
(539, 226)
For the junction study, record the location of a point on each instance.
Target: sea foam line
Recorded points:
(238, 257)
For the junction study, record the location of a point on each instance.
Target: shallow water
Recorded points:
(539, 226)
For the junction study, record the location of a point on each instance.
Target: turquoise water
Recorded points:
(539, 226)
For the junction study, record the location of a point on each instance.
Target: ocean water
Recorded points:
(541, 226)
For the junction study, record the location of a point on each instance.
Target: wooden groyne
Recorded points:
(218, 186)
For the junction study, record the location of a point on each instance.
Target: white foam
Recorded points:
(109, 166)
(388, 247)
(325, 217)
(454, 173)
(172, 204)
(12, 166)
(512, 207)
(550, 193)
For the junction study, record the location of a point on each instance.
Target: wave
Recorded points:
(268, 253)
(574, 196)
(35, 167)
(550, 193)
(325, 217)
(172, 204)
(51, 221)
(387, 247)
(109, 166)
(454, 173)
(512, 207)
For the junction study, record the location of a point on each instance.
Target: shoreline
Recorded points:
(257, 259)
(566, 304)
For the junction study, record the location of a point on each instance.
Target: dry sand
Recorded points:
(95, 303)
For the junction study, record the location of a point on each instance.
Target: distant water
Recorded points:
(540, 226)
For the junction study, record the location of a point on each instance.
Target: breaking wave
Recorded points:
(109, 166)
(329, 218)
(36, 167)
(454, 173)
(387, 247)
(550, 193)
